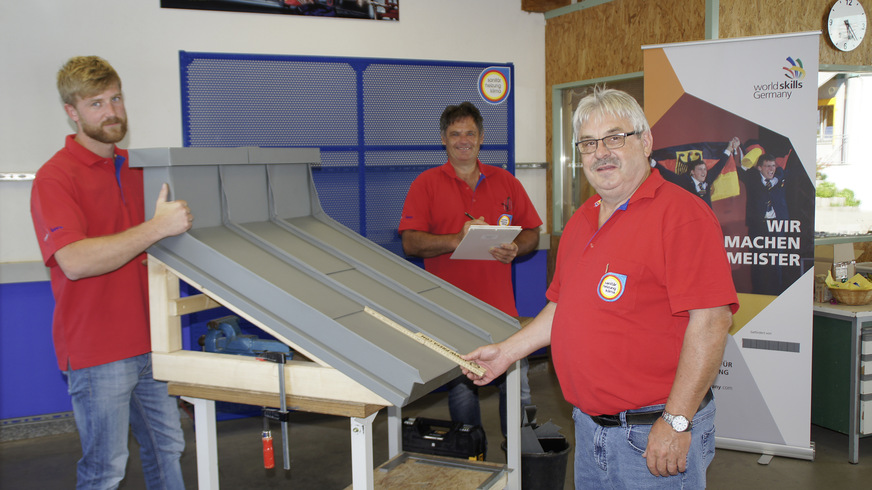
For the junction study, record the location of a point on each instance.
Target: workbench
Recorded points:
(401, 468)
(341, 396)
(368, 329)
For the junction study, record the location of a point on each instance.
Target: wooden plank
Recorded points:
(166, 327)
(192, 304)
(543, 5)
(297, 403)
(412, 470)
(302, 378)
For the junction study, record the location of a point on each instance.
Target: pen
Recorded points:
(469, 215)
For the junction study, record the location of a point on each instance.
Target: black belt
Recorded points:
(642, 418)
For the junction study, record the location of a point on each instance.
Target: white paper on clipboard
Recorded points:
(481, 238)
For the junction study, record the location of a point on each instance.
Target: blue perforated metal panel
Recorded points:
(376, 122)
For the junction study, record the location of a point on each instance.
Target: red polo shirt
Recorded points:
(437, 202)
(78, 194)
(623, 293)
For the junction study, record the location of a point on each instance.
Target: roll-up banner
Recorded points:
(762, 91)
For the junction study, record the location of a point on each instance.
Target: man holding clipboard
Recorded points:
(442, 204)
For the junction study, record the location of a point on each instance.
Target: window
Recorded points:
(843, 203)
(570, 188)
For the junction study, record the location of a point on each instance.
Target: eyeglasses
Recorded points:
(612, 142)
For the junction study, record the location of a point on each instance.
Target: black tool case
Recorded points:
(444, 438)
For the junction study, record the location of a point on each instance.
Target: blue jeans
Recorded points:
(463, 402)
(108, 400)
(611, 457)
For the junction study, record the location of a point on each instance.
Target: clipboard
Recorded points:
(481, 238)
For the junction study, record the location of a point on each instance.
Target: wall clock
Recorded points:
(846, 24)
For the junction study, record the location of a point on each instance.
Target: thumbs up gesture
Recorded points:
(173, 217)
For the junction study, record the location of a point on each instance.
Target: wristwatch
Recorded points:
(678, 422)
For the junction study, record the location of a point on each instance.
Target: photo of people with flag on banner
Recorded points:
(765, 100)
(691, 171)
(769, 246)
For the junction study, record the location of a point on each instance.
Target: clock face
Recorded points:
(846, 24)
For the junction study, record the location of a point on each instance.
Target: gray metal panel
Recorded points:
(245, 189)
(406, 277)
(290, 190)
(262, 243)
(294, 281)
(152, 182)
(198, 185)
(303, 250)
(340, 238)
(284, 155)
(163, 157)
(473, 310)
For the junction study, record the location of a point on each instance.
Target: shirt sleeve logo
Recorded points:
(611, 286)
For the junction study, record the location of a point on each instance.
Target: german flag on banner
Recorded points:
(677, 158)
(753, 150)
(751, 153)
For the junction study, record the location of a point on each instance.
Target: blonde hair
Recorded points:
(83, 76)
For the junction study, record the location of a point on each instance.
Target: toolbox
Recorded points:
(444, 438)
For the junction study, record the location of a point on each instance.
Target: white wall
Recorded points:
(142, 41)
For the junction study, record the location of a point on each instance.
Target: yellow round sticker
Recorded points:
(494, 84)
(611, 286)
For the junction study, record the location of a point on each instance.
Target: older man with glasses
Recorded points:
(638, 314)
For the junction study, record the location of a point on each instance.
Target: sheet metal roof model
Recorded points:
(261, 241)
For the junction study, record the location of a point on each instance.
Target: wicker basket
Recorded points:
(853, 297)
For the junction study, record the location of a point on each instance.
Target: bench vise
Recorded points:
(225, 337)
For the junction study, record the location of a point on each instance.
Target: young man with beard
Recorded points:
(88, 211)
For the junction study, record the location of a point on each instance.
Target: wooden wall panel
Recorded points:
(606, 40)
(743, 18)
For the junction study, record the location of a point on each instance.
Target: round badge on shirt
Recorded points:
(611, 286)
(505, 220)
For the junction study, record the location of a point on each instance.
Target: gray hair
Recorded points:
(611, 102)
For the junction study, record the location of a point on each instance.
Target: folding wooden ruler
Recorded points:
(433, 344)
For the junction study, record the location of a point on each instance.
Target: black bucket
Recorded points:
(546, 470)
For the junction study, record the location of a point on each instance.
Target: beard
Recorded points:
(108, 136)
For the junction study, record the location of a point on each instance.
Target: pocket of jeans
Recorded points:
(708, 445)
(637, 437)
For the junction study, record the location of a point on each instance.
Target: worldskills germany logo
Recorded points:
(795, 71)
(782, 89)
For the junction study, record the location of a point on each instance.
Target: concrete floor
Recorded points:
(321, 452)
